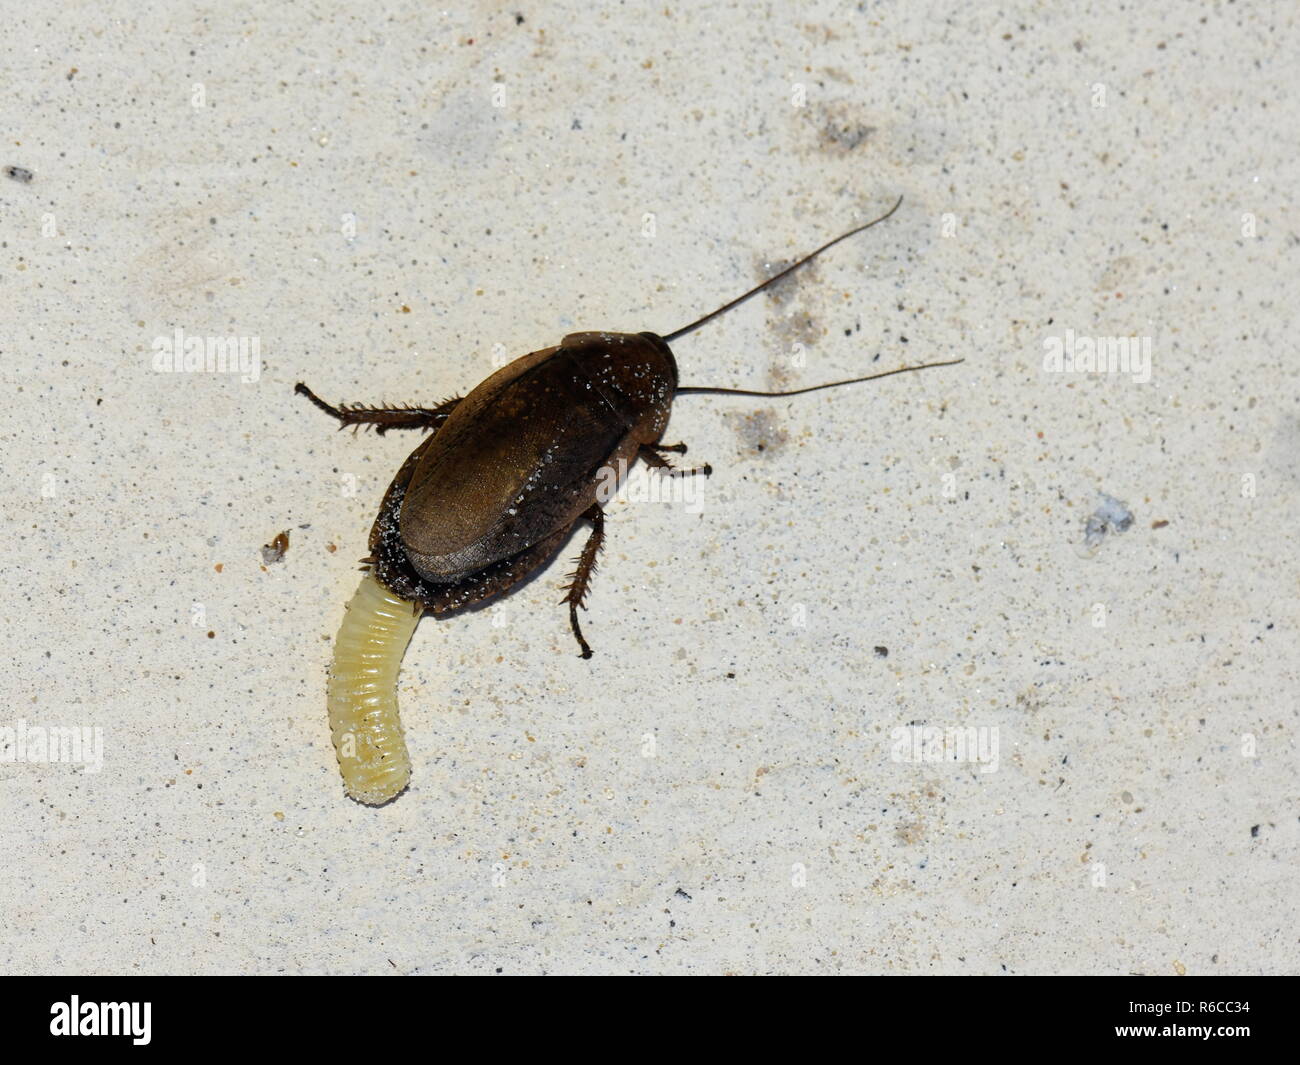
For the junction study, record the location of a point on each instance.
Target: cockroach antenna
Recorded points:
(703, 389)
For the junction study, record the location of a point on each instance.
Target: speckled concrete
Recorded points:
(388, 197)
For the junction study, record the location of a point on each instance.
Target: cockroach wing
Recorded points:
(517, 459)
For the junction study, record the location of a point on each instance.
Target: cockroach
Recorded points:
(506, 475)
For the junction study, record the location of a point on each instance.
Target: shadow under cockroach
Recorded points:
(506, 475)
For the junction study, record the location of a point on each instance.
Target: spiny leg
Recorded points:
(581, 576)
(382, 418)
(652, 454)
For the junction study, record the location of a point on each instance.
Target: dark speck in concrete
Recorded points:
(1110, 516)
(842, 129)
(760, 432)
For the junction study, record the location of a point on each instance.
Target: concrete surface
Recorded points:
(386, 198)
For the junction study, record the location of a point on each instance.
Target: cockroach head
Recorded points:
(662, 346)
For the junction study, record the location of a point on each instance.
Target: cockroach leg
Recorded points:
(382, 418)
(581, 576)
(651, 454)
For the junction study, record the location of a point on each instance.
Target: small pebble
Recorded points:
(275, 550)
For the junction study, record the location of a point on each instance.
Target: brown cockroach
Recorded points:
(508, 472)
